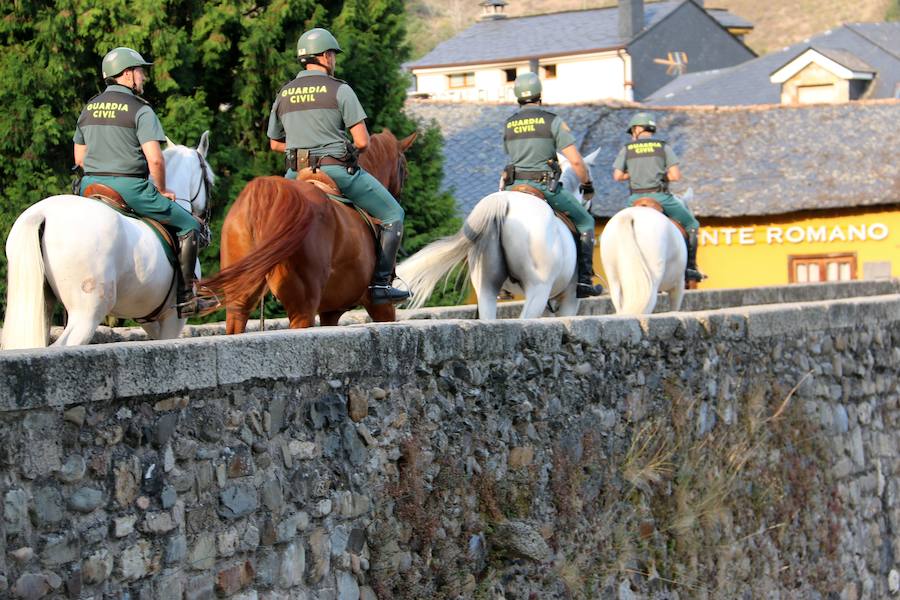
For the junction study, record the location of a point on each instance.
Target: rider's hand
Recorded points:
(169, 195)
(587, 191)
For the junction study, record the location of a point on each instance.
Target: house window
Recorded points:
(813, 268)
(461, 80)
(510, 75)
(549, 71)
(816, 94)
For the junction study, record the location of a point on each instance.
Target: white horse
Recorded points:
(512, 241)
(96, 261)
(643, 253)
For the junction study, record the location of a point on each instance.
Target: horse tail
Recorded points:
(27, 322)
(424, 269)
(279, 219)
(635, 277)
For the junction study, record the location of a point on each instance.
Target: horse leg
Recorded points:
(299, 297)
(676, 296)
(79, 330)
(488, 274)
(330, 318)
(236, 320)
(536, 297)
(382, 313)
(568, 304)
(166, 329)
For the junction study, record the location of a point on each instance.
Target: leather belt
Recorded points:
(532, 175)
(330, 160)
(647, 190)
(139, 175)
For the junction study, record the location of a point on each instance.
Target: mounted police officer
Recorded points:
(648, 165)
(117, 143)
(308, 122)
(532, 137)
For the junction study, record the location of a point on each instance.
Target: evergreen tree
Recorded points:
(217, 66)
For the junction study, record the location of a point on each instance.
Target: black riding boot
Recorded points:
(691, 273)
(187, 302)
(381, 290)
(585, 259)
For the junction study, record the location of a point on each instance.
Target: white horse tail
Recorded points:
(635, 277)
(27, 324)
(424, 269)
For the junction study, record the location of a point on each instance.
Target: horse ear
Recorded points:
(406, 142)
(591, 158)
(169, 143)
(203, 146)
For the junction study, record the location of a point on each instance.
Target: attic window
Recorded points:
(510, 75)
(461, 80)
(816, 94)
(549, 71)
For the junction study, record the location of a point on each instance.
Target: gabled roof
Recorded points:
(877, 45)
(739, 161)
(555, 34)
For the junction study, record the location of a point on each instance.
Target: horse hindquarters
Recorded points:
(633, 284)
(26, 324)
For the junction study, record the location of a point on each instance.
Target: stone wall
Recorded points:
(743, 452)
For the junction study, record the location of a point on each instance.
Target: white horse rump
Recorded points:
(643, 253)
(511, 240)
(96, 261)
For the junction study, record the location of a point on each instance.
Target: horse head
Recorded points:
(569, 179)
(189, 175)
(385, 159)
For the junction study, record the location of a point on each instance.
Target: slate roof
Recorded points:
(844, 58)
(555, 34)
(876, 45)
(739, 161)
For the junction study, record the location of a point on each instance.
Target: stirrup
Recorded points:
(693, 275)
(588, 290)
(386, 294)
(199, 305)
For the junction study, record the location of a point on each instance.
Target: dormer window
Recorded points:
(823, 75)
(493, 9)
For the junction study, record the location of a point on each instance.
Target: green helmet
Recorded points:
(316, 41)
(119, 59)
(527, 87)
(645, 120)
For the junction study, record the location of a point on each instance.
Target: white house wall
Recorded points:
(578, 79)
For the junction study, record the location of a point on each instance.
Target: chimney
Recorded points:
(491, 10)
(631, 18)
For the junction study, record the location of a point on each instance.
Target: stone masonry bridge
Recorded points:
(744, 448)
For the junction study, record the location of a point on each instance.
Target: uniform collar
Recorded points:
(310, 73)
(115, 87)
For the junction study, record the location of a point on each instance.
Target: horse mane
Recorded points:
(279, 214)
(378, 159)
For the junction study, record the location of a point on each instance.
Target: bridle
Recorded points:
(205, 185)
(402, 173)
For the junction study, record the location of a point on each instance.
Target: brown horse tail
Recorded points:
(279, 219)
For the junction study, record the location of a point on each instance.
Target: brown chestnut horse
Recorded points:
(315, 254)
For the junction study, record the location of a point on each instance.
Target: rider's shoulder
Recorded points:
(143, 101)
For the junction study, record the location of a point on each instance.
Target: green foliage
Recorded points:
(217, 66)
(893, 11)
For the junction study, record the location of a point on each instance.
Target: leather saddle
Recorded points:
(648, 202)
(328, 185)
(528, 189)
(112, 198)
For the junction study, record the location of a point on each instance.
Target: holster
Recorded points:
(555, 174)
(509, 175)
(296, 159)
(76, 182)
(352, 158)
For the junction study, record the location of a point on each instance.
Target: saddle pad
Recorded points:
(116, 203)
(527, 189)
(647, 202)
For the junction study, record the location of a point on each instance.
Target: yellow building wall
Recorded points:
(755, 252)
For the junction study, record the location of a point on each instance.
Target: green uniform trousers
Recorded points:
(144, 199)
(364, 191)
(673, 208)
(564, 202)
